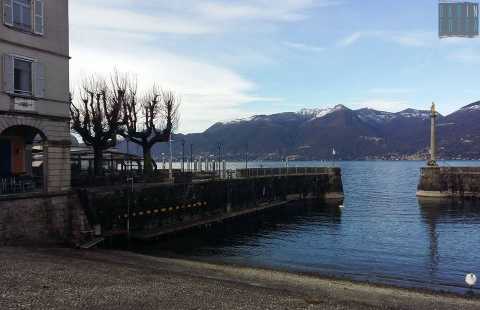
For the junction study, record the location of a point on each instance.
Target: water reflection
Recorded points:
(249, 231)
(448, 210)
(440, 215)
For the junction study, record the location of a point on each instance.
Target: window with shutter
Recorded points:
(22, 77)
(22, 14)
(8, 73)
(8, 12)
(39, 20)
(39, 79)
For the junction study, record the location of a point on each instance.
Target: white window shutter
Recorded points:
(8, 69)
(8, 12)
(39, 79)
(39, 16)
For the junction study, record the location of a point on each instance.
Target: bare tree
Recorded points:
(150, 121)
(97, 117)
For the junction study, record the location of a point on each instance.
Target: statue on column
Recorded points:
(433, 138)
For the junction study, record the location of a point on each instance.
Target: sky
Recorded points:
(230, 59)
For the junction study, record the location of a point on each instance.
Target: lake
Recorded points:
(383, 234)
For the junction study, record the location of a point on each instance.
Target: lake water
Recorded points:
(383, 234)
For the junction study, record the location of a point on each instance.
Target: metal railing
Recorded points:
(19, 184)
(259, 172)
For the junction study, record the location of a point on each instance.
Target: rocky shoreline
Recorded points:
(99, 279)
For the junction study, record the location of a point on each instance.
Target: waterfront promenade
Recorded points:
(73, 279)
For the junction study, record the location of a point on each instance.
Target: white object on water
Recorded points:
(341, 206)
(471, 279)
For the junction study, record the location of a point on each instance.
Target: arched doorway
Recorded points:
(23, 164)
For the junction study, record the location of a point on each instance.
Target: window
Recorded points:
(22, 14)
(22, 77)
(27, 15)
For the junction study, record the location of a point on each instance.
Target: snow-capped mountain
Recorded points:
(320, 112)
(412, 113)
(355, 134)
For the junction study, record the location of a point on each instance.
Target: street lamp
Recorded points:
(191, 156)
(246, 156)
(219, 158)
(170, 172)
(183, 155)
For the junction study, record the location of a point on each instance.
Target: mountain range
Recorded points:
(312, 134)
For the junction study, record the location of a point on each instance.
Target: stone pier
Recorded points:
(152, 210)
(446, 182)
(449, 182)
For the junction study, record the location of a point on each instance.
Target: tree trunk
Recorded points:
(98, 162)
(147, 160)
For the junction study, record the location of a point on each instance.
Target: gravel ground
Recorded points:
(74, 279)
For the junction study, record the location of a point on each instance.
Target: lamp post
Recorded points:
(246, 156)
(183, 155)
(191, 155)
(129, 167)
(129, 197)
(219, 158)
(170, 172)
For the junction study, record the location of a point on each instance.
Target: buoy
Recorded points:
(471, 279)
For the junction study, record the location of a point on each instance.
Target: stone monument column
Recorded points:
(433, 137)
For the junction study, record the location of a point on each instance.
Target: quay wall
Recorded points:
(152, 210)
(449, 182)
(42, 219)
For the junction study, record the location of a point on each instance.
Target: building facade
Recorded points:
(458, 19)
(34, 97)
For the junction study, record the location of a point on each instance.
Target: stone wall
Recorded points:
(153, 207)
(460, 182)
(41, 219)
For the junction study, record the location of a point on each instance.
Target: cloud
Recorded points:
(155, 40)
(351, 39)
(303, 47)
(208, 92)
(279, 10)
(128, 20)
(412, 39)
(117, 35)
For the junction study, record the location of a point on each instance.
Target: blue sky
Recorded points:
(232, 59)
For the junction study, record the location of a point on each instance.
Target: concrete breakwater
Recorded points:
(449, 182)
(153, 210)
(147, 210)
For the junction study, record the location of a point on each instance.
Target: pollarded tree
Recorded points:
(147, 121)
(97, 117)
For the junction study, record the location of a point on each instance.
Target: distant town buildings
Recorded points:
(34, 97)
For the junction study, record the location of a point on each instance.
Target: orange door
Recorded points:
(18, 157)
